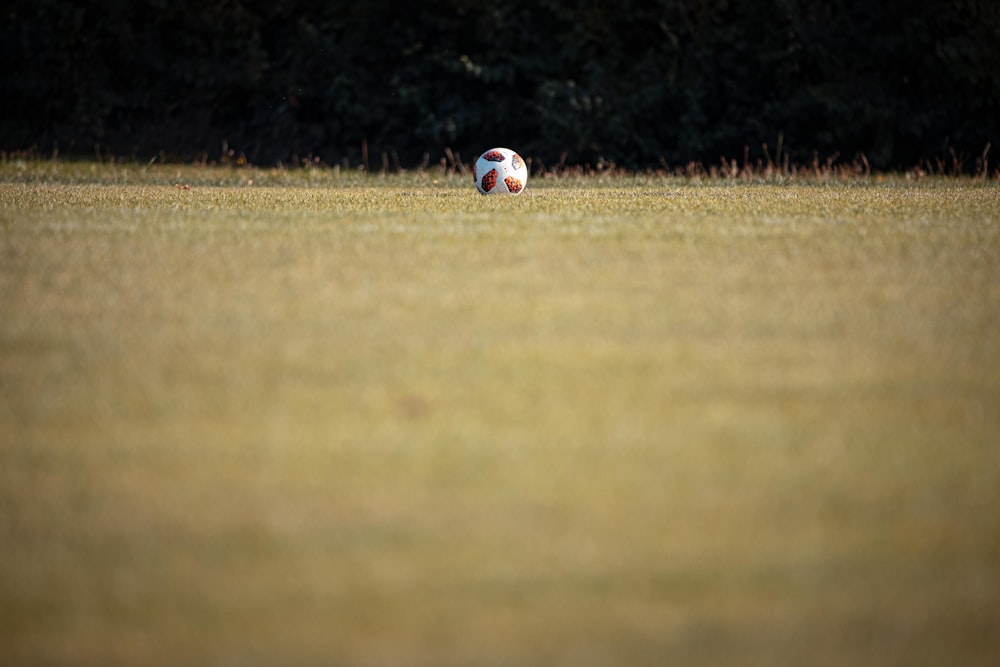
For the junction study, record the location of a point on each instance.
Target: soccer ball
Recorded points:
(500, 171)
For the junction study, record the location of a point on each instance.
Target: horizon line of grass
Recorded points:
(776, 167)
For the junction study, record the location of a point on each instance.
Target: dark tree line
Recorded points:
(635, 82)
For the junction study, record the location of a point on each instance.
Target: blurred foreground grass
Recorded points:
(307, 418)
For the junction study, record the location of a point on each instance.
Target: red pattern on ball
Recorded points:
(513, 184)
(489, 180)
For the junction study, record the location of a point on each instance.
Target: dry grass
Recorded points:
(323, 419)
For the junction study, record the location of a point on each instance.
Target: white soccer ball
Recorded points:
(500, 171)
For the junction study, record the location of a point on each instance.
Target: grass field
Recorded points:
(266, 417)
